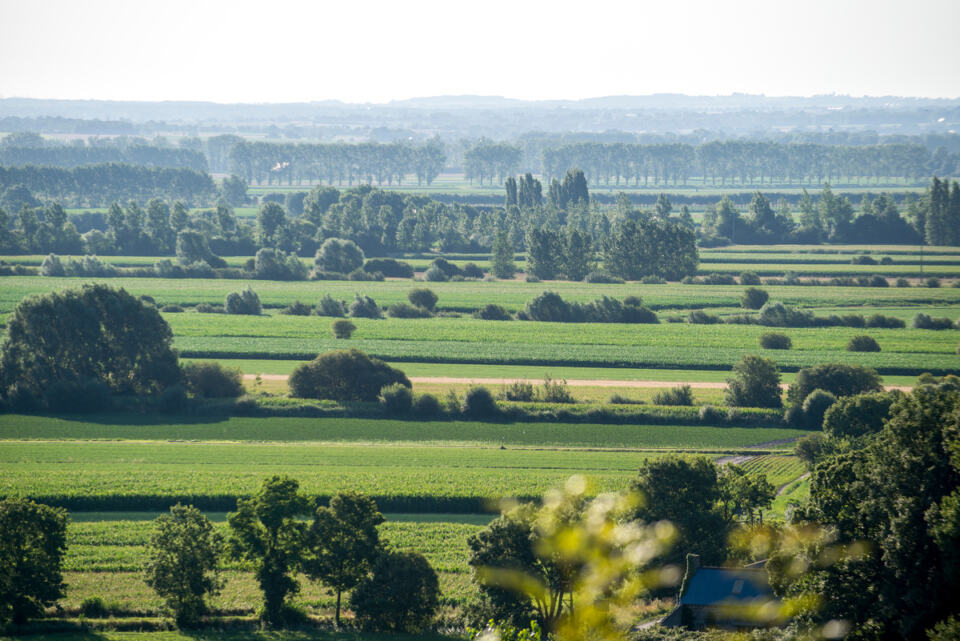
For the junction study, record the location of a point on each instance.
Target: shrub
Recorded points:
(885, 322)
(878, 281)
(210, 379)
(933, 281)
(94, 607)
(925, 321)
(435, 275)
(296, 308)
(364, 307)
(710, 415)
(404, 310)
(478, 402)
(402, 594)
(903, 282)
(518, 391)
(700, 317)
(342, 328)
(749, 278)
(755, 383)
(853, 320)
(423, 297)
(602, 278)
(471, 270)
(329, 306)
(773, 340)
(171, 309)
(396, 399)
(776, 314)
(173, 399)
(426, 405)
(549, 307)
(815, 405)
(837, 378)
(530, 278)
(338, 255)
(863, 343)
(389, 267)
(361, 275)
(680, 395)
(863, 260)
(243, 302)
(653, 280)
(886, 260)
(78, 396)
(344, 375)
(491, 311)
(719, 279)
(555, 391)
(794, 416)
(207, 308)
(620, 399)
(449, 269)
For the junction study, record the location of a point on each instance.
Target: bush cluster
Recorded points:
(550, 307)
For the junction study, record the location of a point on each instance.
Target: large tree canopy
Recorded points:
(93, 333)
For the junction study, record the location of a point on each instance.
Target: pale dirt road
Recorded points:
(450, 380)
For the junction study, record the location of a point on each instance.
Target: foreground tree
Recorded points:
(95, 333)
(184, 562)
(401, 595)
(33, 539)
(267, 532)
(343, 543)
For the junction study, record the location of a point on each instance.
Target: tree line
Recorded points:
(336, 163)
(69, 156)
(737, 162)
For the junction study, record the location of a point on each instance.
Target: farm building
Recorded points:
(716, 597)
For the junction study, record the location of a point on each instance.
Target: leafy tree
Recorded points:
(651, 248)
(401, 595)
(342, 543)
(192, 247)
(837, 378)
(898, 497)
(544, 252)
(267, 532)
(684, 492)
(744, 495)
(245, 301)
(502, 263)
(338, 255)
(210, 379)
(755, 383)
(815, 405)
(271, 219)
(33, 539)
(423, 297)
(754, 298)
(183, 566)
(343, 328)
(93, 333)
(577, 257)
(344, 375)
(859, 415)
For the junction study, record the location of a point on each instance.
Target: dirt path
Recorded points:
(783, 488)
(451, 380)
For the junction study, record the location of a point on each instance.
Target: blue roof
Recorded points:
(710, 586)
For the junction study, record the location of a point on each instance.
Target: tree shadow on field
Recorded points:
(137, 418)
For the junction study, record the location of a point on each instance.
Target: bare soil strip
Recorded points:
(451, 380)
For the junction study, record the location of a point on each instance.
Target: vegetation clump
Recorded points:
(344, 375)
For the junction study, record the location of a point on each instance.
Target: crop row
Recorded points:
(474, 294)
(779, 470)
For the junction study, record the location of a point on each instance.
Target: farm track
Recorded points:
(449, 380)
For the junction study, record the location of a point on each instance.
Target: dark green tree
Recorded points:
(577, 258)
(501, 260)
(837, 378)
(33, 540)
(267, 531)
(271, 219)
(184, 560)
(344, 375)
(95, 333)
(544, 252)
(343, 543)
(401, 595)
(755, 383)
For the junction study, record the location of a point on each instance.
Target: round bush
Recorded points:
(749, 278)
(243, 302)
(754, 298)
(837, 378)
(435, 275)
(296, 308)
(210, 379)
(815, 405)
(472, 270)
(329, 306)
(933, 281)
(422, 297)
(710, 415)
(344, 375)
(338, 255)
(426, 405)
(343, 328)
(171, 309)
(863, 343)
(479, 403)
(903, 282)
(773, 340)
(396, 399)
(794, 416)
(365, 307)
(493, 312)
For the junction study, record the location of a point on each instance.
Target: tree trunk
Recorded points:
(337, 616)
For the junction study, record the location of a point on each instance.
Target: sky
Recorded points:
(372, 51)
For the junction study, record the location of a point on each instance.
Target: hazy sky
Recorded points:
(371, 51)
